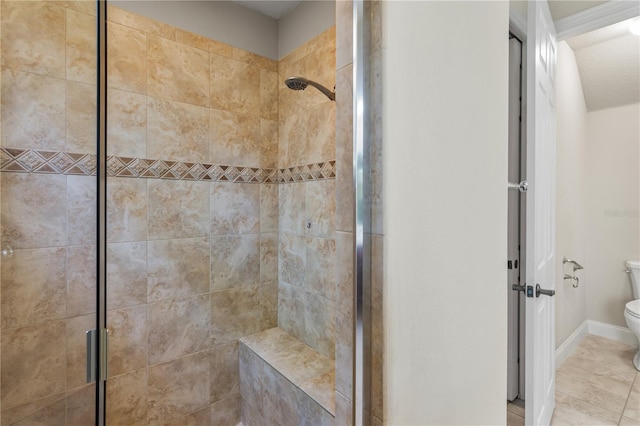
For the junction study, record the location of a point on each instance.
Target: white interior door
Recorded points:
(540, 223)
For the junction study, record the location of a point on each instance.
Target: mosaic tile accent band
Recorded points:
(57, 162)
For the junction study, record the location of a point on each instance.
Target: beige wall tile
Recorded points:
(203, 43)
(377, 328)
(268, 94)
(320, 274)
(268, 257)
(81, 47)
(127, 339)
(252, 381)
(178, 327)
(46, 410)
(126, 124)
(235, 139)
(81, 118)
(234, 313)
(268, 305)
(268, 208)
(226, 412)
(33, 363)
(127, 399)
(177, 72)
(83, 6)
(309, 135)
(76, 344)
(177, 268)
(235, 208)
(344, 312)
(253, 59)
(33, 37)
(125, 49)
(291, 315)
(291, 207)
(293, 259)
(178, 387)
(81, 209)
(225, 378)
(139, 22)
(33, 111)
(320, 324)
(81, 280)
(268, 143)
(344, 33)
(126, 274)
(235, 261)
(219, 48)
(320, 206)
(34, 211)
(344, 148)
(178, 209)
(199, 418)
(126, 210)
(177, 131)
(81, 406)
(33, 287)
(344, 410)
(235, 86)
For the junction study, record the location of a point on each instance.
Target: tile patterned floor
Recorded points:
(596, 385)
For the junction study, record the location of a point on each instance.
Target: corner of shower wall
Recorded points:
(307, 219)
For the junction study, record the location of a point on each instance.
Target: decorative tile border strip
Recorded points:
(56, 162)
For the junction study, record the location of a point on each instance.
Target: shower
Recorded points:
(301, 83)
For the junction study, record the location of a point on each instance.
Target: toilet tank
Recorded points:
(634, 274)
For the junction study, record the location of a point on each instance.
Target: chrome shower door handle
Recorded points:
(540, 290)
(92, 355)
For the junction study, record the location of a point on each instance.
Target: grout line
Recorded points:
(624, 408)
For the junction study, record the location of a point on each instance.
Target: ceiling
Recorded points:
(274, 9)
(608, 61)
(563, 8)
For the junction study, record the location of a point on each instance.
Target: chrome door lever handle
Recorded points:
(540, 290)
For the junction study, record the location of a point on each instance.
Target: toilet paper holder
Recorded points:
(576, 267)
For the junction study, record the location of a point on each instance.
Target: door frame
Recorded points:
(582, 22)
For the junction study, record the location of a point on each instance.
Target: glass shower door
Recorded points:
(48, 210)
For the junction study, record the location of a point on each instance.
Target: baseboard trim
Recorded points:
(568, 346)
(613, 332)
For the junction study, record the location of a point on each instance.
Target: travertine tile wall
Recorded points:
(46, 286)
(192, 265)
(307, 253)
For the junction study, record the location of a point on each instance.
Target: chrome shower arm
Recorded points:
(328, 93)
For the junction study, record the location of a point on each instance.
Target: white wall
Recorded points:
(445, 83)
(571, 175)
(613, 182)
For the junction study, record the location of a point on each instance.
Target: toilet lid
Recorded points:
(633, 308)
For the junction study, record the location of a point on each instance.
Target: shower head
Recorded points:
(300, 83)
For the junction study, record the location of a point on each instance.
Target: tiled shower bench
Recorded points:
(285, 382)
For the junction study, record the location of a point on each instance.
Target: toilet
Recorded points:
(632, 309)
